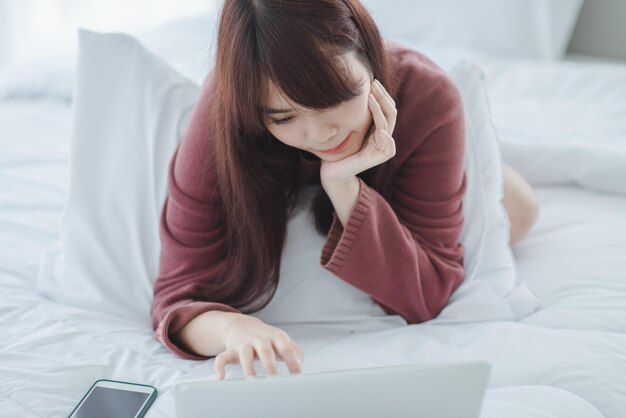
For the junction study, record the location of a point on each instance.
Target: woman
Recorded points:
(309, 93)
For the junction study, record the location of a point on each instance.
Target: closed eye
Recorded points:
(289, 118)
(282, 121)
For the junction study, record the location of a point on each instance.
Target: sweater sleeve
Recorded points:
(192, 235)
(407, 256)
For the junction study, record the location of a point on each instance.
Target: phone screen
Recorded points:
(103, 402)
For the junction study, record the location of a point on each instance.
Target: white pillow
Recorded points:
(187, 44)
(491, 289)
(536, 29)
(130, 109)
(308, 293)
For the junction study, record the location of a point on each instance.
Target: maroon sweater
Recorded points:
(404, 252)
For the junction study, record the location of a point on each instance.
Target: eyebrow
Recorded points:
(271, 110)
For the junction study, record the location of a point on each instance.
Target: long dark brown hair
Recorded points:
(295, 44)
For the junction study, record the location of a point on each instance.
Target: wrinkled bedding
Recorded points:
(568, 359)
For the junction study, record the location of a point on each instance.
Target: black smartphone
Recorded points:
(115, 399)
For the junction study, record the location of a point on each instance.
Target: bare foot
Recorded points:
(520, 202)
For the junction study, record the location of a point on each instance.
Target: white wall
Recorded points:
(5, 41)
(601, 29)
(33, 28)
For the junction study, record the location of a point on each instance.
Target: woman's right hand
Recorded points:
(247, 338)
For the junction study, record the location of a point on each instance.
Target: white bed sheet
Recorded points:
(566, 360)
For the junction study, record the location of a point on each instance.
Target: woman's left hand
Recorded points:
(378, 148)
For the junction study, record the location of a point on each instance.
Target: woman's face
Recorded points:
(321, 132)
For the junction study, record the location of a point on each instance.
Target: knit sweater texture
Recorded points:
(404, 252)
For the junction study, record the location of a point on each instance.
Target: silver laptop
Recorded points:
(449, 390)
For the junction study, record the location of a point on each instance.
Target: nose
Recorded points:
(320, 132)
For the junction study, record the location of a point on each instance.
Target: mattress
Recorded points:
(568, 359)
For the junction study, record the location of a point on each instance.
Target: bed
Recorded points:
(562, 124)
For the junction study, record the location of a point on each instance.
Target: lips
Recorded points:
(340, 146)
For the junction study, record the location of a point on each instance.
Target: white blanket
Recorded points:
(566, 360)
(562, 123)
(559, 122)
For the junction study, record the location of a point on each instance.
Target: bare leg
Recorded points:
(520, 202)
